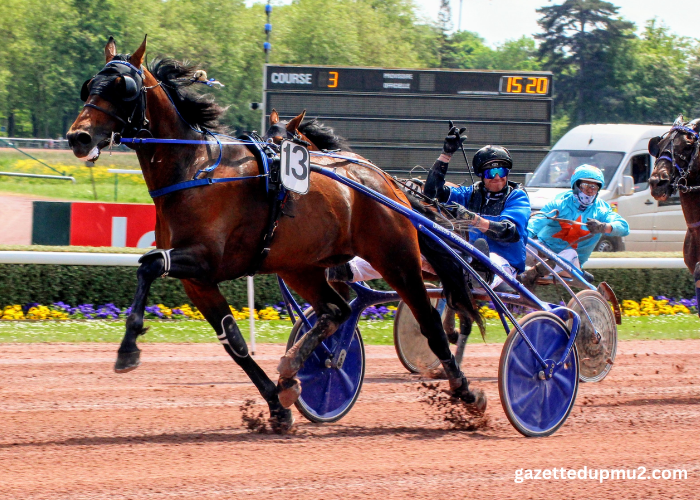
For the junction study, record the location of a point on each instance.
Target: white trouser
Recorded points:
(363, 271)
(505, 267)
(571, 255)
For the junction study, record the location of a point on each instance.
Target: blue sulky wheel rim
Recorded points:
(328, 394)
(534, 406)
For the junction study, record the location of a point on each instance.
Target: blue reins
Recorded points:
(206, 181)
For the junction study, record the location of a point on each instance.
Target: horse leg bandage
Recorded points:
(164, 254)
(231, 336)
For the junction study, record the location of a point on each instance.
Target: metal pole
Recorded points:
(268, 29)
(90, 165)
(116, 184)
(459, 21)
(267, 46)
(251, 310)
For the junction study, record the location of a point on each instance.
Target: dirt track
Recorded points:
(72, 429)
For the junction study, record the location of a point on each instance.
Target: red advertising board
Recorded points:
(112, 225)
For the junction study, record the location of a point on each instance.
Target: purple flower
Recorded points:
(26, 307)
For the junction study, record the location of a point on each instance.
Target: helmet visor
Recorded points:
(491, 173)
(587, 185)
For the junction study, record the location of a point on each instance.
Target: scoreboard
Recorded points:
(398, 117)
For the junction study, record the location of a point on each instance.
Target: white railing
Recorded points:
(119, 259)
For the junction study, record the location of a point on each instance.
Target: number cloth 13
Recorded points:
(295, 165)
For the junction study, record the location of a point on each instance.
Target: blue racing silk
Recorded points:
(516, 209)
(558, 236)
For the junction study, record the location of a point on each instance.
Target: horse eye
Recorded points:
(654, 146)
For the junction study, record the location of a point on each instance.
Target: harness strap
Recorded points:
(278, 196)
(105, 111)
(198, 182)
(687, 130)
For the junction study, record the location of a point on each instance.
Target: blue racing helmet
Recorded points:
(587, 173)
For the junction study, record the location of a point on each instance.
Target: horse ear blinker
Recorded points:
(85, 90)
(130, 88)
(654, 146)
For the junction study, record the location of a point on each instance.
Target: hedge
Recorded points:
(45, 284)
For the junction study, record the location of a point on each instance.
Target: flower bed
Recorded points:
(62, 311)
(648, 306)
(659, 306)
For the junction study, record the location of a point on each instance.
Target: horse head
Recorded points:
(114, 102)
(125, 100)
(677, 160)
(280, 130)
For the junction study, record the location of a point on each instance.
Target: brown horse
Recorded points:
(212, 233)
(677, 168)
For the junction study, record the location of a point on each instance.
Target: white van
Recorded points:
(620, 151)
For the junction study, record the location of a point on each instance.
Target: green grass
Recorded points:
(9, 157)
(678, 327)
(81, 191)
(131, 189)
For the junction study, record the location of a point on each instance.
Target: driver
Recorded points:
(572, 224)
(494, 208)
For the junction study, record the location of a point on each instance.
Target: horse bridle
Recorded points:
(134, 91)
(681, 182)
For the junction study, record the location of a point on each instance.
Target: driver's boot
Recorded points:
(475, 399)
(529, 278)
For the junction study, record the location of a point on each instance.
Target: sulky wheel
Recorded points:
(535, 404)
(328, 392)
(411, 346)
(595, 359)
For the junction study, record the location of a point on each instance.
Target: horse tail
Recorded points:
(453, 277)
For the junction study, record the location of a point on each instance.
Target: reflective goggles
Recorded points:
(491, 173)
(589, 185)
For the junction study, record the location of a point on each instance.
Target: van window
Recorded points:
(639, 168)
(558, 166)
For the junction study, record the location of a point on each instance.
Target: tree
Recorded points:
(466, 50)
(581, 42)
(659, 84)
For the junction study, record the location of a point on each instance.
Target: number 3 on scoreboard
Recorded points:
(332, 79)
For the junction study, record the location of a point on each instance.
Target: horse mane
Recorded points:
(199, 110)
(323, 136)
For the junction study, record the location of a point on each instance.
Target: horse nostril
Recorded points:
(84, 138)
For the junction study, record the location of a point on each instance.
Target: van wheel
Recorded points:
(605, 245)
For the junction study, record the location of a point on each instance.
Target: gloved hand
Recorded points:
(596, 227)
(415, 185)
(454, 138)
(461, 213)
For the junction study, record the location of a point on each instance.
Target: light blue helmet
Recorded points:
(588, 173)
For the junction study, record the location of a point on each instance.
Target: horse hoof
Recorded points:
(479, 403)
(474, 400)
(127, 361)
(281, 421)
(288, 391)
